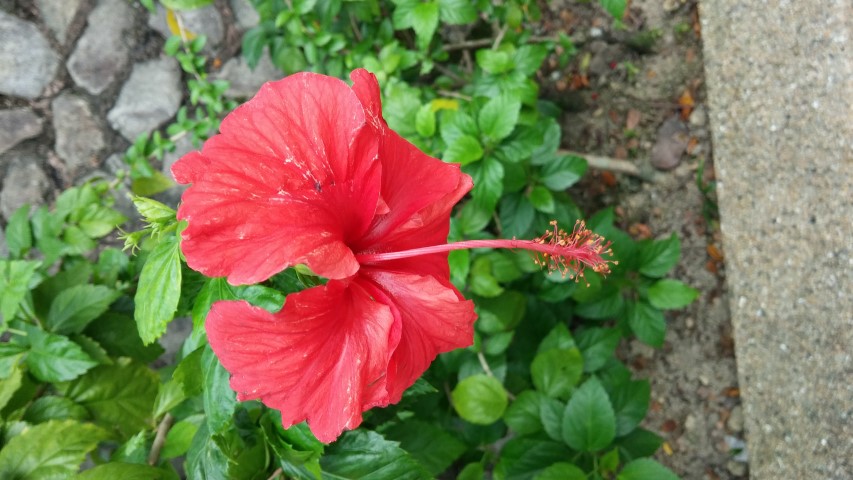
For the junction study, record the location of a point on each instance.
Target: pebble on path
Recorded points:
(101, 53)
(16, 126)
(149, 98)
(79, 139)
(27, 63)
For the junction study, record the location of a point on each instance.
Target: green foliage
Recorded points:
(540, 394)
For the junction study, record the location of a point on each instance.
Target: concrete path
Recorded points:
(780, 89)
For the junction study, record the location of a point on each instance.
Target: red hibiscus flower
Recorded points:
(308, 172)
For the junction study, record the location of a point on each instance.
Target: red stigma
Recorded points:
(573, 252)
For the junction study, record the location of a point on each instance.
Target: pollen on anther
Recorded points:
(573, 252)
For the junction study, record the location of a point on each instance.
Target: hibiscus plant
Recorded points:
(383, 271)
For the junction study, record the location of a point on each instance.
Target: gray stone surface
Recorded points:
(25, 182)
(79, 139)
(27, 63)
(4, 249)
(245, 14)
(150, 96)
(17, 125)
(244, 82)
(205, 21)
(780, 88)
(58, 15)
(102, 53)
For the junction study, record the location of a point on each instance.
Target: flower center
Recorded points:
(556, 250)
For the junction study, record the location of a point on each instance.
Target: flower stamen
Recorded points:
(556, 250)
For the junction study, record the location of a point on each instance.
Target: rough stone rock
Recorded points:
(79, 139)
(245, 14)
(245, 82)
(17, 125)
(735, 421)
(205, 21)
(25, 182)
(58, 15)
(4, 249)
(150, 96)
(27, 63)
(671, 143)
(101, 53)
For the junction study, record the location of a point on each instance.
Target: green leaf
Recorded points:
(528, 58)
(219, 399)
(646, 469)
(77, 306)
(98, 220)
(555, 372)
(185, 4)
(488, 183)
(123, 471)
(516, 214)
(630, 404)
(563, 171)
(647, 323)
(604, 308)
(551, 413)
(482, 282)
(188, 373)
(425, 121)
(542, 199)
(597, 346)
(523, 415)
(119, 396)
(54, 449)
(589, 424)
(495, 61)
(639, 443)
(118, 335)
(15, 278)
(472, 471)
(55, 358)
(463, 150)
(432, 446)
(179, 439)
(616, 8)
(498, 117)
(457, 12)
(19, 235)
(92, 348)
(54, 408)
(480, 399)
(424, 22)
(148, 186)
(561, 471)
(454, 124)
(9, 385)
(558, 337)
(367, 456)
(111, 263)
(254, 43)
(670, 294)
(501, 313)
(47, 230)
(159, 290)
(10, 355)
(152, 210)
(524, 458)
(659, 256)
(460, 265)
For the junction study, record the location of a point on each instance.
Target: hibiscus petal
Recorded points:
(322, 358)
(419, 190)
(434, 317)
(291, 179)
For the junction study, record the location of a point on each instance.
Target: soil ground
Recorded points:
(636, 93)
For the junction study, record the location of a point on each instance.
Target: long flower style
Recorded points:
(308, 172)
